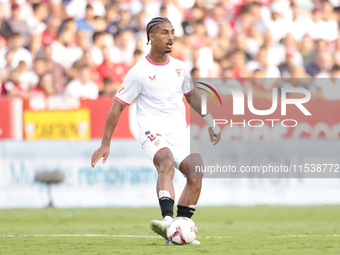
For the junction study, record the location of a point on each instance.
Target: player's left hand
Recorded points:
(215, 138)
(102, 152)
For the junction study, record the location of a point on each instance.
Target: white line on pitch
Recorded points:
(80, 235)
(307, 236)
(141, 236)
(94, 235)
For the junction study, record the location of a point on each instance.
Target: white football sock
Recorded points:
(167, 218)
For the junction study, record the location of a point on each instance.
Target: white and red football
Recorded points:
(181, 231)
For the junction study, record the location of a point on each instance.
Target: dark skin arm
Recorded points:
(194, 100)
(111, 121)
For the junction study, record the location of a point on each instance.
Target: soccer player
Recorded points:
(157, 83)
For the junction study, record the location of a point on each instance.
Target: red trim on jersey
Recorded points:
(188, 92)
(157, 64)
(120, 100)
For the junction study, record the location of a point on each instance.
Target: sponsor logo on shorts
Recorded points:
(156, 143)
(152, 137)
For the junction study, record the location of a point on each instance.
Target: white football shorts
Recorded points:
(180, 144)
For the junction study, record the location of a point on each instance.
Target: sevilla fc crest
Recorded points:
(178, 71)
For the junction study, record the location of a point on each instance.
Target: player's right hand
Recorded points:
(215, 138)
(102, 152)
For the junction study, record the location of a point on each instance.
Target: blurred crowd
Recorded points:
(84, 48)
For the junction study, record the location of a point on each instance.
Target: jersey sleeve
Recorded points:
(130, 88)
(187, 86)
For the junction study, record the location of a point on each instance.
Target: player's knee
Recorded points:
(167, 168)
(195, 183)
(196, 174)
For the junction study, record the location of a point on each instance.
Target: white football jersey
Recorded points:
(158, 91)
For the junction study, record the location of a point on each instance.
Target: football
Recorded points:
(181, 231)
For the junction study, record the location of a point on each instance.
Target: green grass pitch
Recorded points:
(221, 230)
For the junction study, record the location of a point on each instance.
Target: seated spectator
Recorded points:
(329, 84)
(221, 44)
(195, 73)
(200, 35)
(196, 13)
(5, 28)
(96, 49)
(243, 20)
(322, 63)
(218, 15)
(39, 67)
(322, 29)
(77, 8)
(297, 78)
(137, 54)
(99, 24)
(88, 22)
(215, 70)
(299, 72)
(239, 43)
(122, 52)
(254, 40)
(51, 32)
(60, 52)
(228, 79)
(298, 75)
(256, 82)
(28, 79)
(289, 63)
(140, 44)
(140, 20)
(307, 50)
(261, 63)
(13, 86)
(70, 26)
(177, 49)
(277, 25)
(83, 87)
(20, 53)
(111, 12)
(174, 14)
(56, 69)
(276, 52)
(77, 51)
(109, 88)
(45, 86)
(5, 70)
(291, 44)
(202, 58)
(35, 45)
(86, 60)
(299, 24)
(328, 12)
(321, 45)
(17, 24)
(163, 11)
(57, 9)
(74, 71)
(115, 71)
(36, 23)
(124, 23)
(238, 64)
